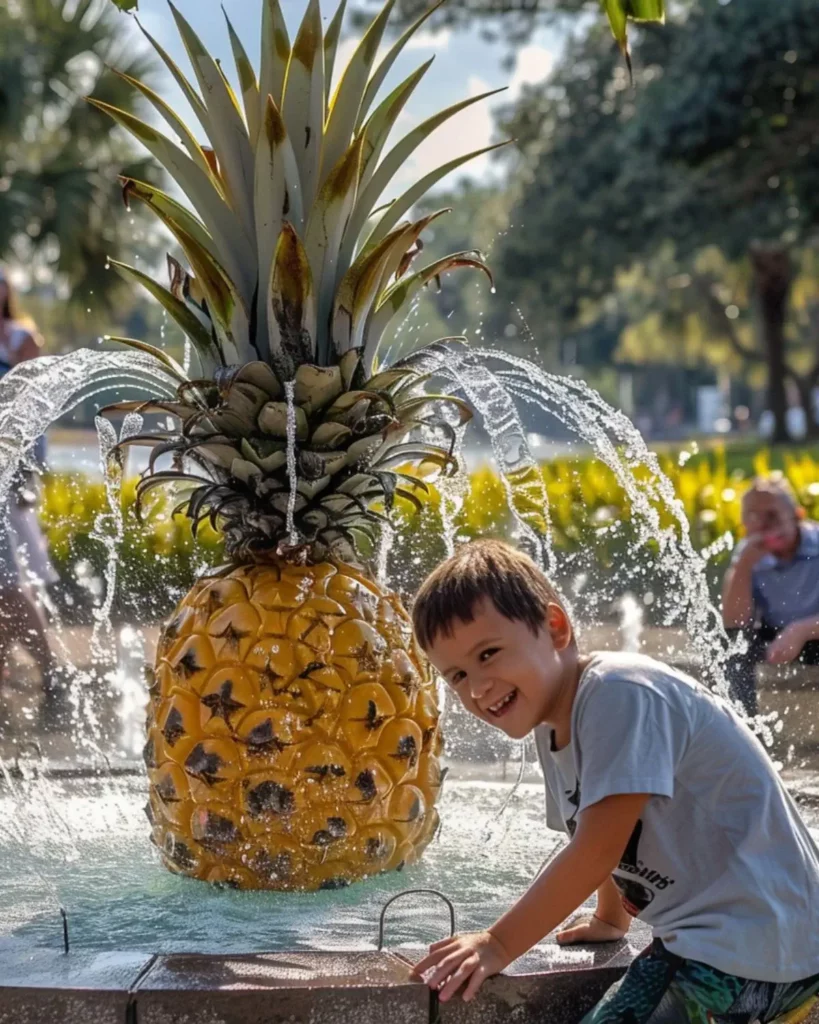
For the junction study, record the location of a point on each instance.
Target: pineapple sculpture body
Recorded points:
(293, 737)
(293, 728)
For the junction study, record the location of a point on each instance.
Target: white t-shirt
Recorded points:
(720, 864)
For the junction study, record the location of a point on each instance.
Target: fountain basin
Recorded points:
(146, 946)
(149, 946)
(368, 987)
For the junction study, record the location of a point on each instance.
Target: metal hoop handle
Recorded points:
(414, 892)
(66, 943)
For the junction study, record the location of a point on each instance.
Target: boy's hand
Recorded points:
(464, 959)
(591, 928)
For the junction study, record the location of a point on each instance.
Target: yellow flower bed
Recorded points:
(584, 496)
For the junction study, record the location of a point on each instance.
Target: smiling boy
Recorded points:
(675, 812)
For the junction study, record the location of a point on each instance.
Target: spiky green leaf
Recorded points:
(168, 361)
(380, 124)
(364, 282)
(325, 231)
(396, 210)
(175, 308)
(292, 310)
(303, 103)
(219, 219)
(346, 103)
(175, 122)
(247, 82)
(271, 192)
(331, 38)
(395, 159)
(619, 12)
(227, 131)
(389, 59)
(218, 290)
(275, 54)
(396, 299)
(399, 258)
(171, 212)
(358, 291)
(188, 91)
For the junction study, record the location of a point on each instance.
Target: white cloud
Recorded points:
(533, 64)
(471, 129)
(346, 48)
(430, 40)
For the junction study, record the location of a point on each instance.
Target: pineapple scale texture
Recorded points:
(293, 731)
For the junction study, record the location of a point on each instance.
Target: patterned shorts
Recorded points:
(661, 988)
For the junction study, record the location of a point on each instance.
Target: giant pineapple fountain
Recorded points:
(293, 726)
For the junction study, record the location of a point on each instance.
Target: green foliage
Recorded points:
(126, 5)
(60, 157)
(515, 20)
(159, 558)
(710, 147)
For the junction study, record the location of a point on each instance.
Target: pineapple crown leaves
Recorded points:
(291, 273)
(355, 440)
(290, 174)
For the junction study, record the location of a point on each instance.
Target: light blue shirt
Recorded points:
(785, 591)
(720, 863)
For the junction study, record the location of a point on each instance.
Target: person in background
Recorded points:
(21, 620)
(771, 589)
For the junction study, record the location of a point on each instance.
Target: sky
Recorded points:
(465, 65)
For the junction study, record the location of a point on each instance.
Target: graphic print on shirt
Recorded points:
(635, 894)
(636, 897)
(574, 800)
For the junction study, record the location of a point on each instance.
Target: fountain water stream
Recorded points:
(292, 475)
(85, 843)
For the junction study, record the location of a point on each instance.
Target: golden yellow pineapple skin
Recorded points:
(293, 731)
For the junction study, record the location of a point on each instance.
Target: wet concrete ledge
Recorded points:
(548, 986)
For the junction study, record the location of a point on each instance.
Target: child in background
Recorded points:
(674, 810)
(771, 590)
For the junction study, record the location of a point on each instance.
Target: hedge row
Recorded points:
(159, 556)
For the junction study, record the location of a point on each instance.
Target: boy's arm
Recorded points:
(602, 834)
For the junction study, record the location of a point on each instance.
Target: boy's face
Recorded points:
(773, 519)
(501, 671)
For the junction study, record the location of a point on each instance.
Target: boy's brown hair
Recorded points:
(479, 570)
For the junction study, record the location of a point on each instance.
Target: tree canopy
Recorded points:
(714, 147)
(513, 21)
(716, 144)
(60, 202)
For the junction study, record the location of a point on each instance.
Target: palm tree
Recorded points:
(60, 156)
